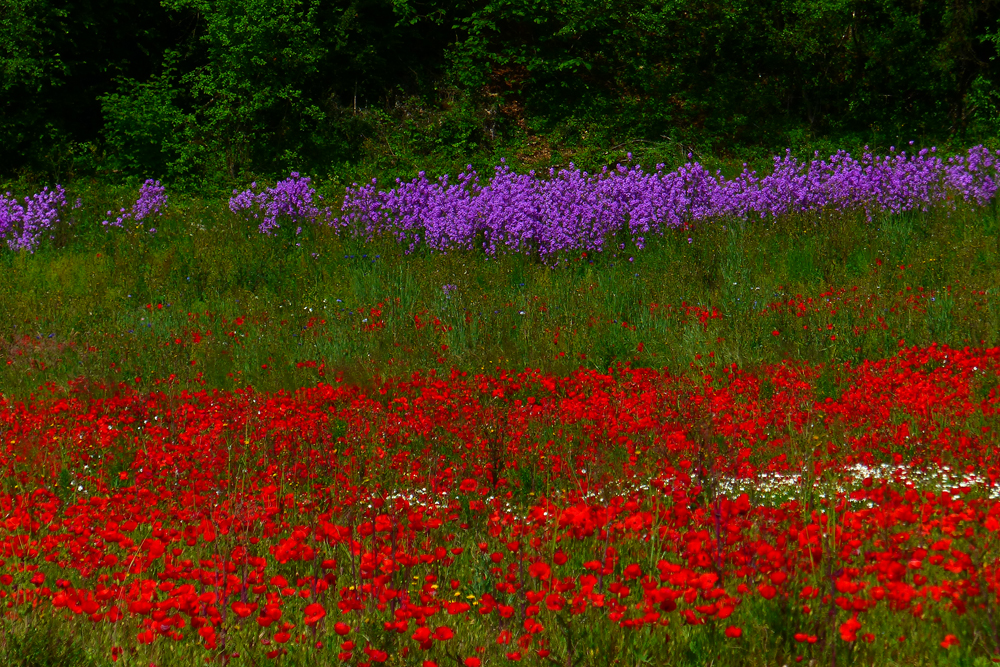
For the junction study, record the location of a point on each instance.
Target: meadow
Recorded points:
(738, 425)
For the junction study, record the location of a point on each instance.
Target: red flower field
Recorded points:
(475, 520)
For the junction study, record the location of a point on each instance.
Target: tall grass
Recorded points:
(124, 305)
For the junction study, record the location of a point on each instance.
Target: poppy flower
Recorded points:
(555, 602)
(767, 591)
(376, 655)
(849, 629)
(314, 612)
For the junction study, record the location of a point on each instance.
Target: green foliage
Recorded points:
(257, 56)
(151, 132)
(57, 58)
(692, 70)
(203, 94)
(44, 644)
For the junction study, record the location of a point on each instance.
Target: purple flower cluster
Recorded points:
(152, 201)
(22, 225)
(574, 210)
(291, 198)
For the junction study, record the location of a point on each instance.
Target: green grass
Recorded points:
(45, 643)
(77, 307)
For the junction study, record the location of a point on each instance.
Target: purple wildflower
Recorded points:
(575, 210)
(22, 225)
(291, 198)
(152, 201)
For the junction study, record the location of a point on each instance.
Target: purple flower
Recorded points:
(152, 201)
(22, 225)
(575, 210)
(290, 199)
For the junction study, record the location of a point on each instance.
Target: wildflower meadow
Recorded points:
(644, 415)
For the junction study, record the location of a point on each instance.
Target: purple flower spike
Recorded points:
(291, 198)
(574, 210)
(152, 201)
(22, 225)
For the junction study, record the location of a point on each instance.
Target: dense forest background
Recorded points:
(202, 93)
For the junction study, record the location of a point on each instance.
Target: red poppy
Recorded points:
(555, 602)
(849, 629)
(767, 591)
(313, 613)
(376, 655)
